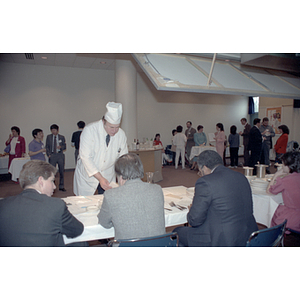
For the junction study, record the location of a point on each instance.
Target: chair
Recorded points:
(270, 237)
(164, 240)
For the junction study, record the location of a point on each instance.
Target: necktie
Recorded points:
(107, 139)
(55, 145)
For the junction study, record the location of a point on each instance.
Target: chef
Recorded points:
(101, 144)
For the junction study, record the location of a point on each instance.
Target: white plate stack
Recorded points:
(259, 184)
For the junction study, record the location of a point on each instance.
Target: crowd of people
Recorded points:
(221, 213)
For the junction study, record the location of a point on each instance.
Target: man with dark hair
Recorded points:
(255, 144)
(55, 146)
(36, 146)
(267, 133)
(189, 133)
(135, 209)
(75, 141)
(33, 218)
(245, 134)
(222, 210)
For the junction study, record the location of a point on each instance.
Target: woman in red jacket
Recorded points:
(16, 143)
(280, 146)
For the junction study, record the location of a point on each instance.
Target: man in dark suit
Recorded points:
(33, 218)
(255, 144)
(222, 210)
(245, 134)
(55, 146)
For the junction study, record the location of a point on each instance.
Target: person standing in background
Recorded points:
(55, 146)
(255, 144)
(180, 142)
(101, 144)
(220, 139)
(75, 141)
(267, 132)
(234, 143)
(16, 143)
(245, 135)
(36, 146)
(281, 144)
(189, 133)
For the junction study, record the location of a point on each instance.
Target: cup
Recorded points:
(149, 176)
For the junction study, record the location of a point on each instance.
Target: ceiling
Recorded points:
(289, 64)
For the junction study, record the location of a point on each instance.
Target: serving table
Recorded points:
(86, 209)
(16, 167)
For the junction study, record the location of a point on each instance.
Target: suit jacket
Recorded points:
(245, 134)
(135, 209)
(255, 139)
(33, 219)
(222, 210)
(49, 142)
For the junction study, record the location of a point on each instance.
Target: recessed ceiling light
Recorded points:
(44, 57)
(103, 62)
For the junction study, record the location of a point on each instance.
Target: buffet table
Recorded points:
(86, 209)
(196, 150)
(16, 167)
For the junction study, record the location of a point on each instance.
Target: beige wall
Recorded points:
(38, 96)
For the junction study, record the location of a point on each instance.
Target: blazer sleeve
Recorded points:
(201, 202)
(48, 145)
(63, 143)
(23, 145)
(71, 227)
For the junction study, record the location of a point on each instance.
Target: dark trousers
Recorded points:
(254, 158)
(59, 159)
(265, 154)
(246, 155)
(234, 156)
(100, 189)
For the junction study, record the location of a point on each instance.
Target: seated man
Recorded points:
(33, 218)
(222, 210)
(136, 208)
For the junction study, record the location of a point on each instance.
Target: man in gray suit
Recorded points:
(55, 146)
(33, 218)
(222, 210)
(136, 208)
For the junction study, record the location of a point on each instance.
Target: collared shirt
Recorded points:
(35, 146)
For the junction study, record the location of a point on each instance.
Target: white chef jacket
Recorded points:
(95, 156)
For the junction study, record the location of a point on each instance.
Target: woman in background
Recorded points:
(281, 144)
(179, 141)
(220, 139)
(234, 143)
(16, 143)
(157, 142)
(286, 181)
(200, 140)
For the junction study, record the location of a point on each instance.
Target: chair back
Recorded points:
(269, 237)
(164, 240)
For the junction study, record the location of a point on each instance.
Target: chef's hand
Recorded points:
(105, 184)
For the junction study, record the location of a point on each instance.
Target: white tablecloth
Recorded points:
(264, 206)
(16, 167)
(240, 153)
(94, 231)
(4, 164)
(196, 150)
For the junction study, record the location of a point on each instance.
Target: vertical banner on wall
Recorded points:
(274, 115)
